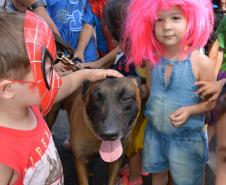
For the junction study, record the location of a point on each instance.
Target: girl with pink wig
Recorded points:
(169, 34)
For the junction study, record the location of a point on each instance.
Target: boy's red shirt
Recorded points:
(32, 154)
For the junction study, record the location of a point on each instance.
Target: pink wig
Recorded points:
(140, 42)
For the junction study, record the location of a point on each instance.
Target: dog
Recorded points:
(101, 121)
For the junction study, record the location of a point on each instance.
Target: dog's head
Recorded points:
(112, 106)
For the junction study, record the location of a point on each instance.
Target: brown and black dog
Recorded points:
(101, 121)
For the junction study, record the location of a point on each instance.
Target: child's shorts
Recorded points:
(185, 155)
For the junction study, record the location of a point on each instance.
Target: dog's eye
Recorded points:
(97, 96)
(125, 95)
(126, 99)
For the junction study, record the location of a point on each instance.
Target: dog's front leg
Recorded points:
(82, 172)
(113, 171)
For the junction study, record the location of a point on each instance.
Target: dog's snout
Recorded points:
(109, 135)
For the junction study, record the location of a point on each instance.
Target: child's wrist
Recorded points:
(100, 63)
(85, 74)
(190, 111)
(79, 49)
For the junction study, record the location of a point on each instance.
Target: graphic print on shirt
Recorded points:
(75, 17)
(54, 170)
(39, 160)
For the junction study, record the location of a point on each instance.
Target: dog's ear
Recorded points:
(140, 84)
(137, 81)
(85, 87)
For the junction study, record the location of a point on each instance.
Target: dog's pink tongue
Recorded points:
(110, 150)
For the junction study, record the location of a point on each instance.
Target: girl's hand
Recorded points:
(180, 116)
(210, 89)
(100, 74)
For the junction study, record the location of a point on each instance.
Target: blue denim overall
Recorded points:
(182, 151)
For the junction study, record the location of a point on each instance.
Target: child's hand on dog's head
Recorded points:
(100, 74)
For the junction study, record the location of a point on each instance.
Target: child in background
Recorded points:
(28, 85)
(169, 33)
(70, 16)
(107, 50)
(212, 91)
(103, 38)
(114, 16)
(215, 50)
(216, 53)
(220, 135)
(221, 145)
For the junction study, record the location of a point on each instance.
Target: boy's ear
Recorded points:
(6, 89)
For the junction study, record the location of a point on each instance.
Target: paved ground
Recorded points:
(99, 168)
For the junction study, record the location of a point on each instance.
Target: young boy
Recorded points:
(28, 83)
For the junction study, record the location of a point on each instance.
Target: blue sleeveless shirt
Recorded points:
(164, 99)
(69, 17)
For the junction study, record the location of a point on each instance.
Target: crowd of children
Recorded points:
(162, 45)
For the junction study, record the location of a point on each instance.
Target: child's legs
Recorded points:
(136, 146)
(134, 166)
(160, 178)
(211, 132)
(170, 180)
(221, 152)
(187, 159)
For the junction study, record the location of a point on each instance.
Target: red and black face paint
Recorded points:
(41, 51)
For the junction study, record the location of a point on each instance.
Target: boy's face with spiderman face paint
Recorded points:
(170, 27)
(41, 51)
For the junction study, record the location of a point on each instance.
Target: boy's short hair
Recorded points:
(114, 16)
(14, 63)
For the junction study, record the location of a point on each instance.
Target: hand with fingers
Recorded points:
(100, 74)
(210, 89)
(180, 116)
(80, 55)
(60, 68)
